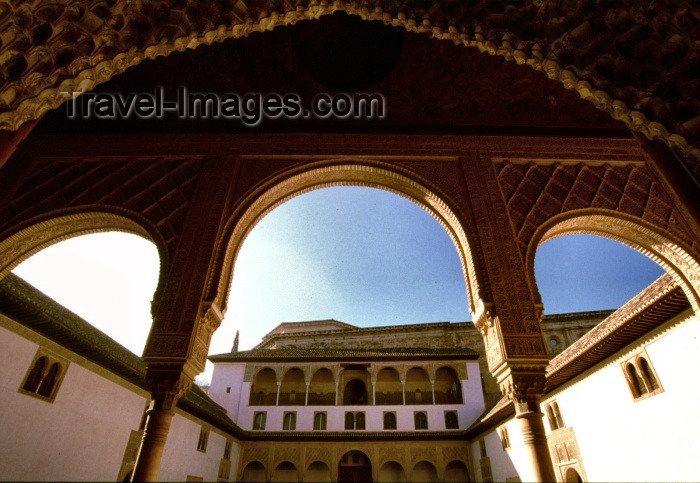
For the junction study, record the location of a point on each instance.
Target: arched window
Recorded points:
(557, 415)
(550, 417)
(263, 391)
(418, 387)
(259, 421)
(421, 420)
(290, 422)
(320, 420)
(451, 421)
(293, 388)
(448, 388)
(359, 420)
(648, 375)
(322, 388)
(349, 421)
(31, 384)
(355, 420)
(636, 386)
(388, 389)
(49, 381)
(389, 420)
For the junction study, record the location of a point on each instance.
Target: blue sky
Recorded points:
(359, 255)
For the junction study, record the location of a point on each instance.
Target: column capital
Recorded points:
(168, 384)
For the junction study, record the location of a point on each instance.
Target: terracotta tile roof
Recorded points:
(656, 304)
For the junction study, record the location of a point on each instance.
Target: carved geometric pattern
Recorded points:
(392, 453)
(255, 453)
(318, 454)
(636, 60)
(287, 454)
(454, 454)
(423, 454)
(535, 192)
(158, 189)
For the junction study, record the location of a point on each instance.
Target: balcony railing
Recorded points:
(263, 399)
(292, 398)
(381, 398)
(321, 399)
(448, 397)
(386, 398)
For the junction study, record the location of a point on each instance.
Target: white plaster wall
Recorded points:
(473, 396)
(82, 435)
(654, 439)
(511, 462)
(180, 456)
(229, 375)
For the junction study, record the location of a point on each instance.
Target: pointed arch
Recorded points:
(671, 254)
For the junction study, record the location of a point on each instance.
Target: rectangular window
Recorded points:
(259, 420)
(203, 439)
(390, 420)
(227, 449)
(228, 390)
(421, 420)
(320, 420)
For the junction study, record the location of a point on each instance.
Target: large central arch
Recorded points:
(346, 172)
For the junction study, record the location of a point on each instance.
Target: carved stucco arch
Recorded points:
(56, 228)
(286, 369)
(276, 370)
(390, 459)
(86, 72)
(670, 254)
(314, 370)
(349, 173)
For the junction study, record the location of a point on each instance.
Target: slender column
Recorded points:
(525, 390)
(306, 400)
(403, 392)
(167, 387)
(432, 390)
(154, 437)
(277, 401)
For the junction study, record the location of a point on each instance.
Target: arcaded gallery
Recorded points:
(511, 123)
